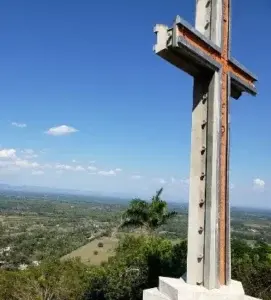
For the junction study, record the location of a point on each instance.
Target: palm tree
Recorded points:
(147, 215)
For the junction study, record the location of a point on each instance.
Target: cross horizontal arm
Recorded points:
(189, 50)
(182, 52)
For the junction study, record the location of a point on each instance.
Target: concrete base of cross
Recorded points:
(178, 289)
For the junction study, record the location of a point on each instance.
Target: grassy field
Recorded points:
(92, 254)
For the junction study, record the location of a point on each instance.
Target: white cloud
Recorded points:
(38, 172)
(34, 165)
(258, 183)
(118, 170)
(29, 153)
(19, 125)
(9, 160)
(61, 130)
(136, 177)
(8, 153)
(177, 181)
(173, 180)
(92, 168)
(47, 166)
(107, 173)
(74, 161)
(79, 168)
(63, 167)
(23, 163)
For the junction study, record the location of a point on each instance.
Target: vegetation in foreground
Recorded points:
(43, 229)
(136, 266)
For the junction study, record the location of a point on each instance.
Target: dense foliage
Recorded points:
(252, 266)
(138, 263)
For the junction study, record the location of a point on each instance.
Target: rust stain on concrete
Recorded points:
(224, 147)
(220, 58)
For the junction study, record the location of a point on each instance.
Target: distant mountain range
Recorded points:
(120, 198)
(40, 189)
(101, 197)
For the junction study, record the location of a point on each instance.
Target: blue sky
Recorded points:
(89, 65)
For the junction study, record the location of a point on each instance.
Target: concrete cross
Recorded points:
(204, 53)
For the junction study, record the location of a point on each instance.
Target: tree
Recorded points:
(147, 215)
(137, 265)
(251, 265)
(53, 280)
(100, 244)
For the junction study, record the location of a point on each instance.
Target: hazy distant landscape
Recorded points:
(35, 226)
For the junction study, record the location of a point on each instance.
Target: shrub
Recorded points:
(100, 244)
(138, 263)
(57, 280)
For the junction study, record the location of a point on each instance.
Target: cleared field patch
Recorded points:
(92, 253)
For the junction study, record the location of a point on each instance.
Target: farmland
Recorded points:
(96, 251)
(34, 228)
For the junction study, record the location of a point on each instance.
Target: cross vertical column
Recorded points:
(196, 222)
(204, 191)
(211, 245)
(196, 217)
(215, 263)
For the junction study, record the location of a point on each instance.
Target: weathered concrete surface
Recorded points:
(212, 186)
(196, 219)
(205, 271)
(196, 213)
(154, 294)
(178, 289)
